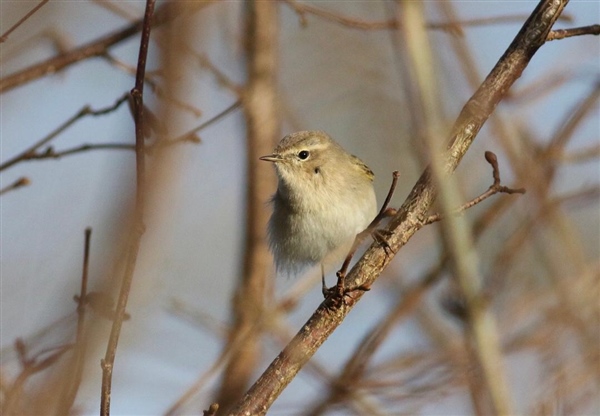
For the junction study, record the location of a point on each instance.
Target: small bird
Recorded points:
(324, 198)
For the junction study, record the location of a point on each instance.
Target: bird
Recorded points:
(324, 199)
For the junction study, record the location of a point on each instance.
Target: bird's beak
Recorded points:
(271, 158)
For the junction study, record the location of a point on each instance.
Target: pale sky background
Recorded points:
(336, 79)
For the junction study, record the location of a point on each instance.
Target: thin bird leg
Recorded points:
(384, 212)
(324, 288)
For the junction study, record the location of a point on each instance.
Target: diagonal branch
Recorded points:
(97, 47)
(4, 36)
(411, 214)
(494, 189)
(85, 111)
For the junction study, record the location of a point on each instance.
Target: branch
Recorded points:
(495, 188)
(457, 25)
(73, 381)
(4, 36)
(303, 8)
(97, 47)
(576, 31)
(29, 153)
(50, 153)
(137, 94)
(19, 183)
(411, 214)
(262, 131)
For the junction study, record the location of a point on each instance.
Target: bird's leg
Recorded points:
(324, 288)
(384, 212)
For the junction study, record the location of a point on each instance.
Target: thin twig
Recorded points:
(222, 78)
(457, 25)
(4, 36)
(576, 31)
(94, 48)
(207, 123)
(189, 137)
(22, 181)
(107, 363)
(303, 8)
(85, 111)
(494, 188)
(31, 366)
(73, 379)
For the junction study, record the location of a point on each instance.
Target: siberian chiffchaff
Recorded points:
(324, 198)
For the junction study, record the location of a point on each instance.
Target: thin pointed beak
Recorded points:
(271, 158)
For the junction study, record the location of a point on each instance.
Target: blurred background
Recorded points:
(342, 67)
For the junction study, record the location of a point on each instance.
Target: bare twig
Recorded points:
(222, 78)
(95, 48)
(303, 8)
(209, 122)
(138, 226)
(410, 215)
(85, 111)
(73, 380)
(31, 366)
(4, 36)
(189, 137)
(576, 31)
(494, 188)
(457, 25)
(22, 181)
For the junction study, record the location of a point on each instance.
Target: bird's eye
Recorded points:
(303, 154)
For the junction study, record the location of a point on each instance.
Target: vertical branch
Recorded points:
(456, 232)
(72, 383)
(138, 221)
(262, 130)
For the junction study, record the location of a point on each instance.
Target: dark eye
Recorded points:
(303, 154)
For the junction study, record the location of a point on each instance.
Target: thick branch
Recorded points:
(262, 130)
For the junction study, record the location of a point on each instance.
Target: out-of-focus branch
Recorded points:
(94, 48)
(410, 215)
(262, 127)
(19, 183)
(73, 381)
(456, 233)
(304, 8)
(21, 20)
(457, 25)
(137, 94)
(12, 395)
